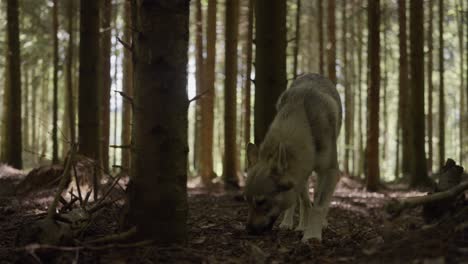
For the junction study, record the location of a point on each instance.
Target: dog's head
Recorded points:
(268, 190)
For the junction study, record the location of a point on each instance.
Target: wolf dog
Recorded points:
(300, 140)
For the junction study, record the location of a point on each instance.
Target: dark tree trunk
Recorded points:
(418, 158)
(55, 159)
(69, 70)
(297, 40)
(361, 25)
(89, 95)
(348, 92)
(12, 142)
(230, 89)
(158, 197)
(270, 71)
(320, 36)
(248, 72)
(404, 93)
(199, 76)
(331, 46)
(207, 101)
(106, 17)
(441, 86)
(127, 87)
(430, 86)
(373, 100)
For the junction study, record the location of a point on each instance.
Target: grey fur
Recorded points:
(301, 139)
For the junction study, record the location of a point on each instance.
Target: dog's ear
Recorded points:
(252, 155)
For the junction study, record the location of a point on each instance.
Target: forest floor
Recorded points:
(359, 231)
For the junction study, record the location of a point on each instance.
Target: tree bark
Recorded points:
(230, 90)
(55, 158)
(404, 94)
(373, 100)
(207, 101)
(127, 87)
(361, 25)
(12, 140)
(441, 86)
(462, 112)
(70, 108)
(105, 38)
(270, 71)
(297, 38)
(248, 73)
(348, 92)
(418, 160)
(331, 46)
(199, 79)
(320, 36)
(430, 86)
(158, 196)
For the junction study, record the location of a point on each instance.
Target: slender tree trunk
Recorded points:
(462, 112)
(69, 70)
(372, 153)
(320, 36)
(115, 16)
(25, 101)
(404, 93)
(347, 88)
(230, 87)
(106, 17)
(158, 198)
(207, 101)
(248, 73)
(270, 71)
(35, 115)
(199, 76)
(55, 158)
(360, 23)
(430, 86)
(441, 86)
(297, 38)
(12, 140)
(45, 110)
(331, 46)
(418, 160)
(385, 17)
(127, 86)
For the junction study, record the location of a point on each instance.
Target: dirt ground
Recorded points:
(359, 231)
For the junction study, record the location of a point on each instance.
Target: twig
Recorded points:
(88, 194)
(121, 146)
(198, 96)
(63, 183)
(78, 189)
(125, 96)
(101, 205)
(115, 237)
(110, 189)
(125, 44)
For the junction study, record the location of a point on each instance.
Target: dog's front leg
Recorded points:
(288, 219)
(304, 209)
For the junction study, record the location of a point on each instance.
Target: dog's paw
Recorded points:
(312, 232)
(286, 225)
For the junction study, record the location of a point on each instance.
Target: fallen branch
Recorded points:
(114, 238)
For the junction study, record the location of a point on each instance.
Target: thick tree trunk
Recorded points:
(373, 100)
(207, 101)
(270, 71)
(230, 90)
(55, 158)
(418, 158)
(106, 17)
(12, 142)
(404, 93)
(320, 36)
(441, 86)
(462, 112)
(430, 86)
(331, 46)
(158, 197)
(127, 87)
(297, 38)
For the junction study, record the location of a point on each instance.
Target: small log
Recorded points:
(442, 200)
